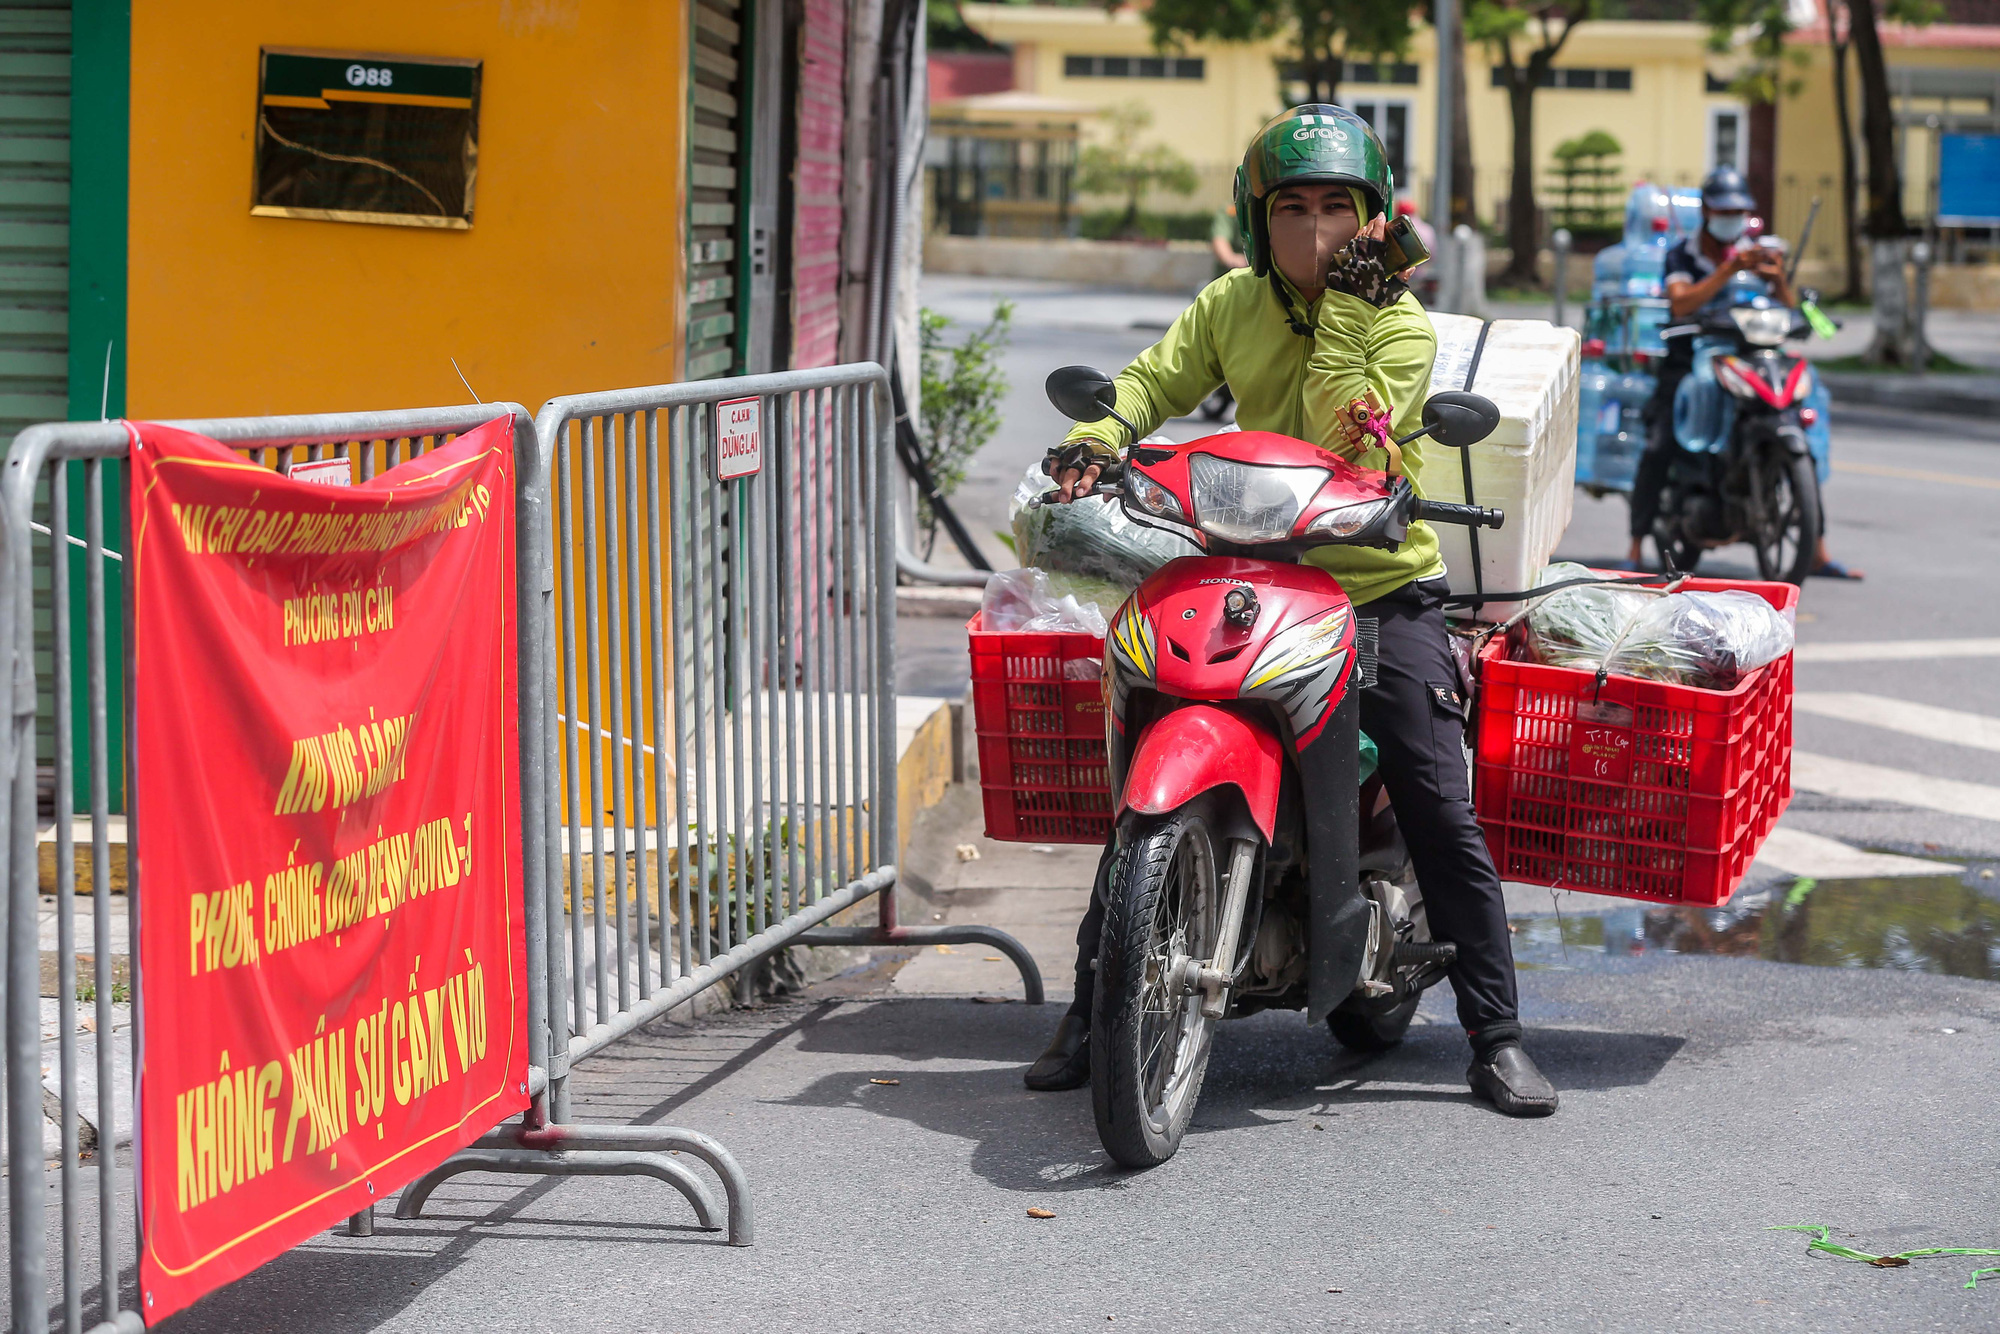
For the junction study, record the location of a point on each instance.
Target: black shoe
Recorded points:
(1066, 1064)
(1509, 1080)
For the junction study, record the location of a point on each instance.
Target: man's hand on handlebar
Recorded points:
(1075, 471)
(1076, 483)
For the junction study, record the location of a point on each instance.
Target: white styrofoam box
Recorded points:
(1527, 467)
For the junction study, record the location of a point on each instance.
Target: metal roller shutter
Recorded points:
(816, 219)
(34, 283)
(715, 161)
(34, 215)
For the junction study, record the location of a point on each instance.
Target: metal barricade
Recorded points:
(717, 749)
(79, 453)
(708, 762)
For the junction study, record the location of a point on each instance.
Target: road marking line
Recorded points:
(1898, 650)
(1918, 475)
(1854, 781)
(1799, 853)
(1899, 715)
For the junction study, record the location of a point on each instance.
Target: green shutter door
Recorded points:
(34, 215)
(34, 281)
(715, 156)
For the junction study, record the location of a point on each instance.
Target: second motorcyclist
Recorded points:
(1322, 342)
(1700, 271)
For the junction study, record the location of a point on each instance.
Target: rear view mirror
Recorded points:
(1459, 419)
(1082, 393)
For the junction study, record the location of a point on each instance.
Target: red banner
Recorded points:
(326, 805)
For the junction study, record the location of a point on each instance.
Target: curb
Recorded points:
(1955, 395)
(955, 603)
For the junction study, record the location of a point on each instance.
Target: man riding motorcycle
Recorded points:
(1699, 274)
(1318, 338)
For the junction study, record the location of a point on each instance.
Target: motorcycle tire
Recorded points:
(1149, 1047)
(1798, 523)
(1676, 551)
(1373, 1032)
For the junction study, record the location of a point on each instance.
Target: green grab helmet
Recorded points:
(1315, 142)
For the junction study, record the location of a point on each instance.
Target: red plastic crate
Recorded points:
(1636, 788)
(1038, 706)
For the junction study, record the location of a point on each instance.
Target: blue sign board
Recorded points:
(1968, 180)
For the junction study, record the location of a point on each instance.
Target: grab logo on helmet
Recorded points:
(1319, 127)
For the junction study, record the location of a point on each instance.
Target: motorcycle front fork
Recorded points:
(1212, 978)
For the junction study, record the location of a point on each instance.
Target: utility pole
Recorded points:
(1444, 13)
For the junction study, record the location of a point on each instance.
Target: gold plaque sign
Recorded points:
(359, 138)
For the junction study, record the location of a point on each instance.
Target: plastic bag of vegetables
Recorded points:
(1690, 638)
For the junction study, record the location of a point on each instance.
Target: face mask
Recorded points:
(1726, 227)
(1303, 245)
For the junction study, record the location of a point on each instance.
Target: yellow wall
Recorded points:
(1809, 153)
(1662, 122)
(569, 278)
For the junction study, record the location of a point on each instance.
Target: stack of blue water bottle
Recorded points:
(1622, 334)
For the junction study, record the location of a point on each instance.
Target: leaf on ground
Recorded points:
(1041, 1213)
(1889, 1262)
(885, 1081)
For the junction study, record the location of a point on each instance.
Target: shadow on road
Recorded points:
(1264, 1070)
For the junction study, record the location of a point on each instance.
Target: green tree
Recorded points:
(1322, 33)
(1524, 37)
(1129, 169)
(960, 386)
(1586, 171)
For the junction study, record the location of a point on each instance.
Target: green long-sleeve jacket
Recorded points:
(1302, 387)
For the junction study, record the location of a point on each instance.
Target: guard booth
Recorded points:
(1003, 164)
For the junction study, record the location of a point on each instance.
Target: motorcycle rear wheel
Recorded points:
(1787, 542)
(1149, 1042)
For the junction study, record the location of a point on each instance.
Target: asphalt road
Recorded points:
(1713, 1087)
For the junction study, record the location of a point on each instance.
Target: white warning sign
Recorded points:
(739, 438)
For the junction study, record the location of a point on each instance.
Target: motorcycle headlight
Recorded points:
(1766, 328)
(1247, 503)
(1151, 497)
(1347, 520)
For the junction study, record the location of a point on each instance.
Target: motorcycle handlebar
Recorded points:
(1107, 486)
(1102, 491)
(1472, 516)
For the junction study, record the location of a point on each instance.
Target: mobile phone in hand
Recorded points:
(1406, 248)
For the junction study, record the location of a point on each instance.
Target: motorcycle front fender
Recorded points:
(1197, 748)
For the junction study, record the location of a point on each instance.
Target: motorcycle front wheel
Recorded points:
(1788, 522)
(1149, 1042)
(1678, 553)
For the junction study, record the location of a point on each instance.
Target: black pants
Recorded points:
(1414, 714)
(1649, 481)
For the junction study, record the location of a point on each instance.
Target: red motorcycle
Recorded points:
(1231, 892)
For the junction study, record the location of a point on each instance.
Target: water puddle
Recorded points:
(1930, 924)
